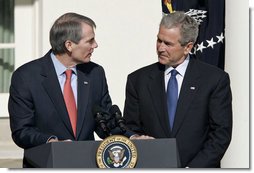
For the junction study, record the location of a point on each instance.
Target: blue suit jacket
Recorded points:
(203, 120)
(37, 108)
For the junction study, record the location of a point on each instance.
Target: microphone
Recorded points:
(120, 121)
(101, 119)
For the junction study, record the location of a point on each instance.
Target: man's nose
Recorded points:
(161, 46)
(95, 44)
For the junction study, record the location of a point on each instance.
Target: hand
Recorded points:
(141, 137)
(52, 140)
(56, 140)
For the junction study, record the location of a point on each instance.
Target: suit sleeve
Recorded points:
(105, 101)
(131, 108)
(104, 98)
(220, 120)
(22, 115)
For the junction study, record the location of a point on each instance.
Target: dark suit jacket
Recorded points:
(203, 120)
(37, 108)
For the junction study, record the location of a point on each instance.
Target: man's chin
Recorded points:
(161, 61)
(87, 60)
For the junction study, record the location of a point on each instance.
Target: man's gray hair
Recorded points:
(187, 25)
(67, 27)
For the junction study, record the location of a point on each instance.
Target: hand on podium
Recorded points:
(136, 136)
(55, 139)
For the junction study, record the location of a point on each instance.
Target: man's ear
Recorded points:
(188, 47)
(68, 45)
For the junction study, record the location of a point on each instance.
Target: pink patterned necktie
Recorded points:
(70, 101)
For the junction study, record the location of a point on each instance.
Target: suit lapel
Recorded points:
(157, 91)
(189, 89)
(83, 95)
(53, 89)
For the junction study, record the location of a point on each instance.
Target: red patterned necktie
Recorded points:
(70, 100)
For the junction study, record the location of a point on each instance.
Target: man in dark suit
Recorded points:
(202, 119)
(37, 104)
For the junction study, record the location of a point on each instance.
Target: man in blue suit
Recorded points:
(38, 113)
(202, 118)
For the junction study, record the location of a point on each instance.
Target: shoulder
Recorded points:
(35, 65)
(205, 68)
(148, 70)
(209, 74)
(30, 68)
(90, 67)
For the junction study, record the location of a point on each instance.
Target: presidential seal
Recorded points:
(116, 151)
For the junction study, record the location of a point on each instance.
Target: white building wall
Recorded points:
(237, 63)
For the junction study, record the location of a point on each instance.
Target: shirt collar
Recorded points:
(59, 67)
(181, 68)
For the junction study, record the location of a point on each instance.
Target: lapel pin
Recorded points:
(192, 88)
(85, 82)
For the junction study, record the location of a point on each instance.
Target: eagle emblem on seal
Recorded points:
(116, 156)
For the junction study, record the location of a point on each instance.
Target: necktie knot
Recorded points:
(68, 73)
(174, 72)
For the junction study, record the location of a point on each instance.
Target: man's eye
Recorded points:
(91, 41)
(159, 41)
(167, 43)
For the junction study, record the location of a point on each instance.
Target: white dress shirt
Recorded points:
(181, 68)
(60, 72)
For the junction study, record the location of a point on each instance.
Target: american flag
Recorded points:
(210, 14)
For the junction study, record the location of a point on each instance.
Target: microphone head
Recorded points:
(97, 110)
(115, 110)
